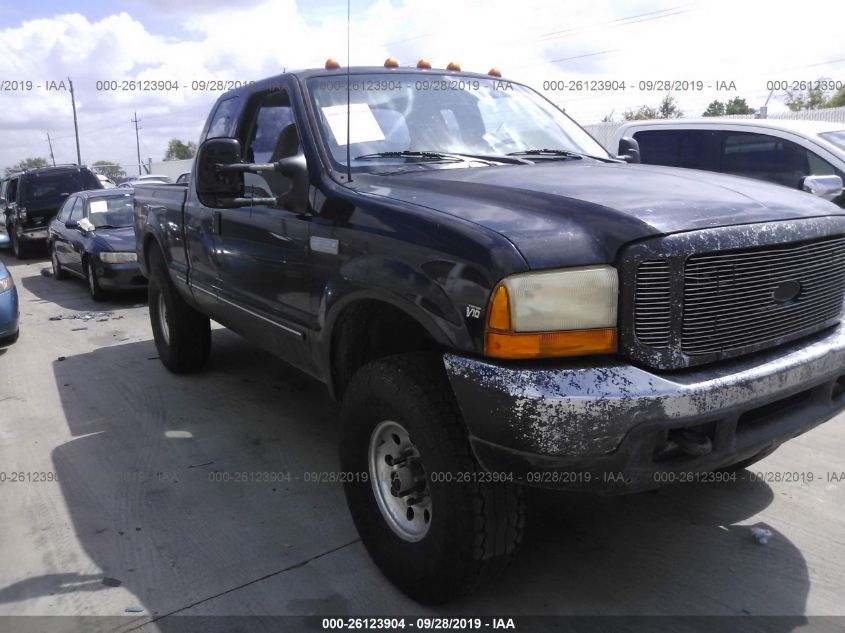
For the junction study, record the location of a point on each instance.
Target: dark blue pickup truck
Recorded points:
(496, 300)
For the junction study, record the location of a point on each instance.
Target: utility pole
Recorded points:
(75, 126)
(50, 143)
(137, 141)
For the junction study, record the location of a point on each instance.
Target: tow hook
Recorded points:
(691, 442)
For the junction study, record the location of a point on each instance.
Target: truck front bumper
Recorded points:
(614, 427)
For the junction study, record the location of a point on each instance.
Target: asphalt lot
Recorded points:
(140, 525)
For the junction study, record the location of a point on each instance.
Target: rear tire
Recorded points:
(182, 335)
(20, 249)
(473, 525)
(58, 271)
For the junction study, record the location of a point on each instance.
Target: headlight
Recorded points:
(118, 258)
(546, 314)
(7, 283)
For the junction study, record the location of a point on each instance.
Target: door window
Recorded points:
(64, 211)
(76, 210)
(271, 136)
(769, 158)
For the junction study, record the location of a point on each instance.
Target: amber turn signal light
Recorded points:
(518, 345)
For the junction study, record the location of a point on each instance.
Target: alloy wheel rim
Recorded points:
(399, 481)
(162, 319)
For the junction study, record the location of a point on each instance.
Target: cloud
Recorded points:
(533, 41)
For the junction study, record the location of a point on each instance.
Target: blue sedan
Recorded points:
(9, 314)
(92, 238)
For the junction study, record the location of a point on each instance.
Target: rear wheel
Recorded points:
(435, 524)
(97, 293)
(58, 271)
(20, 249)
(182, 335)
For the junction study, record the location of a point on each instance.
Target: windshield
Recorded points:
(111, 212)
(837, 138)
(50, 190)
(439, 113)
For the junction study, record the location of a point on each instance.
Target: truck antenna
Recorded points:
(348, 117)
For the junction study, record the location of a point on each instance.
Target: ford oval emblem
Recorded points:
(786, 291)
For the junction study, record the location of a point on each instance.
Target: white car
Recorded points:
(800, 154)
(144, 180)
(107, 182)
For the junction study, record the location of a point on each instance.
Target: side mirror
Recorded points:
(216, 186)
(629, 150)
(86, 225)
(295, 168)
(827, 187)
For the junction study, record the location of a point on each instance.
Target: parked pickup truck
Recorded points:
(496, 301)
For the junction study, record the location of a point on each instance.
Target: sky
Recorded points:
(733, 48)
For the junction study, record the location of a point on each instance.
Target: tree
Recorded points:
(812, 98)
(837, 100)
(179, 150)
(108, 169)
(716, 108)
(667, 109)
(640, 114)
(737, 105)
(27, 163)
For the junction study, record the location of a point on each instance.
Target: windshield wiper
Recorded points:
(446, 156)
(559, 154)
(423, 156)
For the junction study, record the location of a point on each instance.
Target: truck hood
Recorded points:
(576, 213)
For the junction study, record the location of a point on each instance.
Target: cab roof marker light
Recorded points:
(332, 64)
(391, 62)
(424, 64)
(494, 72)
(453, 66)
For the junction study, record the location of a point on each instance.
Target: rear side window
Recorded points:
(42, 191)
(12, 190)
(677, 148)
(769, 158)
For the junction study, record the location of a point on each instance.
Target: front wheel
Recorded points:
(97, 293)
(435, 524)
(182, 335)
(58, 271)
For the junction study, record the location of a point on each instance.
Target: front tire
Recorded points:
(430, 517)
(58, 271)
(182, 335)
(97, 293)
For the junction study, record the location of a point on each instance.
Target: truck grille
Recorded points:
(733, 302)
(652, 305)
(742, 298)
